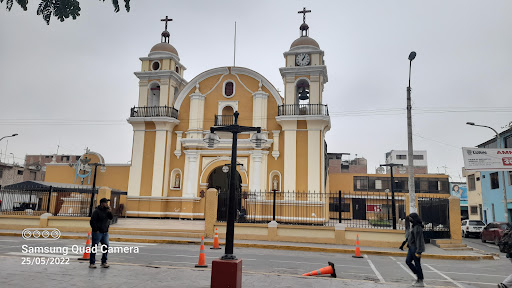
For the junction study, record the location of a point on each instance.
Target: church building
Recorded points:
(172, 166)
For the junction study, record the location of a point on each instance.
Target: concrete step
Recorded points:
(445, 241)
(450, 245)
(458, 249)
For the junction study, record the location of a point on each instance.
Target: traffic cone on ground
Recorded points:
(358, 251)
(87, 255)
(216, 240)
(201, 263)
(322, 271)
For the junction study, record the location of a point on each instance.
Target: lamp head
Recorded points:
(470, 123)
(412, 55)
(211, 139)
(15, 134)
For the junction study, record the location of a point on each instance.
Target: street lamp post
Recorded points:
(498, 145)
(13, 135)
(211, 140)
(412, 191)
(391, 166)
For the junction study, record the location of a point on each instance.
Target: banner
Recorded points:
(481, 159)
(459, 190)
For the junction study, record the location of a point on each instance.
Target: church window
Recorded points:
(229, 89)
(155, 65)
(177, 69)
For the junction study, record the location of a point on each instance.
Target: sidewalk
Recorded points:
(131, 276)
(431, 251)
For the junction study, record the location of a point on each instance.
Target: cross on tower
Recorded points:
(167, 20)
(304, 11)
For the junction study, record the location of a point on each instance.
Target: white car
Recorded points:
(472, 227)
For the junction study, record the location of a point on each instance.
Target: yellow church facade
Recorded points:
(172, 167)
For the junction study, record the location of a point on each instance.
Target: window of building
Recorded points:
(418, 157)
(33, 175)
(401, 157)
(65, 158)
(495, 182)
(360, 183)
(177, 69)
(471, 182)
(378, 184)
(20, 172)
(508, 142)
(1, 174)
(77, 158)
(473, 210)
(155, 65)
(229, 89)
(433, 186)
(302, 92)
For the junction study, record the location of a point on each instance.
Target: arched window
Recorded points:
(228, 110)
(177, 69)
(302, 91)
(154, 94)
(229, 89)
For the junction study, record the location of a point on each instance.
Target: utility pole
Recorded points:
(410, 154)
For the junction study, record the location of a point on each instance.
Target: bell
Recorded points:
(304, 95)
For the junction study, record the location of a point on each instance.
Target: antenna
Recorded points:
(234, 48)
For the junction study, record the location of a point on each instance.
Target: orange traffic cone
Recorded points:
(87, 255)
(201, 263)
(358, 251)
(322, 271)
(216, 240)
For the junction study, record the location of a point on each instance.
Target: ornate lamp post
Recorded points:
(410, 157)
(211, 140)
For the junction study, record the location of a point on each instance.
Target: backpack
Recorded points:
(505, 243)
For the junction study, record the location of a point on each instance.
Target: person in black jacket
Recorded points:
(99, 225)
(416, 247)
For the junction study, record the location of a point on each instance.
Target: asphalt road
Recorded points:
(488, 247)
(380, 269)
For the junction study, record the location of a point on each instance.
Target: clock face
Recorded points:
(302, 59)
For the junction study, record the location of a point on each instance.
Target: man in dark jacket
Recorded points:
(99, 225)
(416, 247)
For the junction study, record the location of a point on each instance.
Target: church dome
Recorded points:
(165, 47)
(305, 41)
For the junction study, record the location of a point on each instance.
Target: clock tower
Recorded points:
(303, 117)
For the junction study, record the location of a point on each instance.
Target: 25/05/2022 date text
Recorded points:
(44, 261)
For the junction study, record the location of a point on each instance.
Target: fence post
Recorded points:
(339, 206)
(274, 207)
(49, 199)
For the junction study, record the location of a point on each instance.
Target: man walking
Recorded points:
(416, 247)
(99, 225)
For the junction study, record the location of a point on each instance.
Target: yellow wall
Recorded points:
(147, 160)
(115, 177)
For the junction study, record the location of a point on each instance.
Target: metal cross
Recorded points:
(304, 11)
(166, 20)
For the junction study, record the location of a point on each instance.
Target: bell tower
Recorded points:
(303, 117)
(154, 118)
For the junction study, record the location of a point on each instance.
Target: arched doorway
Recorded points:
(220, 181)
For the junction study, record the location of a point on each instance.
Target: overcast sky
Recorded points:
(72, 83)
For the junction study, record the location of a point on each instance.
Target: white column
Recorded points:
(196, 117)
(191, 174)
(167, 164)
(314, 89)
(159, 159)
(179, 135)
(143, 92)
(290, 90)
(314, 168)
(164, 92)
(275, 145)
(255, 171)
(137, 155)
(290, 160)
(259, 108)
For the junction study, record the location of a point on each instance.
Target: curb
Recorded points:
(280, 247)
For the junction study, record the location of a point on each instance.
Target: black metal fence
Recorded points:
(224, 120)
(154, 111)
(436, 217)
(37, 201)
(354, 209)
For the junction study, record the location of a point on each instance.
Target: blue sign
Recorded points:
(459, 190)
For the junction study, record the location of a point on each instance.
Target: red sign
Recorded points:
(507, 161)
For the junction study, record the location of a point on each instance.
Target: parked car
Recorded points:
(472, 227)
(494, 231)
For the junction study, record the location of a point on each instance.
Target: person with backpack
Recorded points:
(416, 247)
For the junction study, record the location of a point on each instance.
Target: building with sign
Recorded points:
(491, 168)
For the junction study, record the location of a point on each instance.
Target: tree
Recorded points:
(60, 9)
